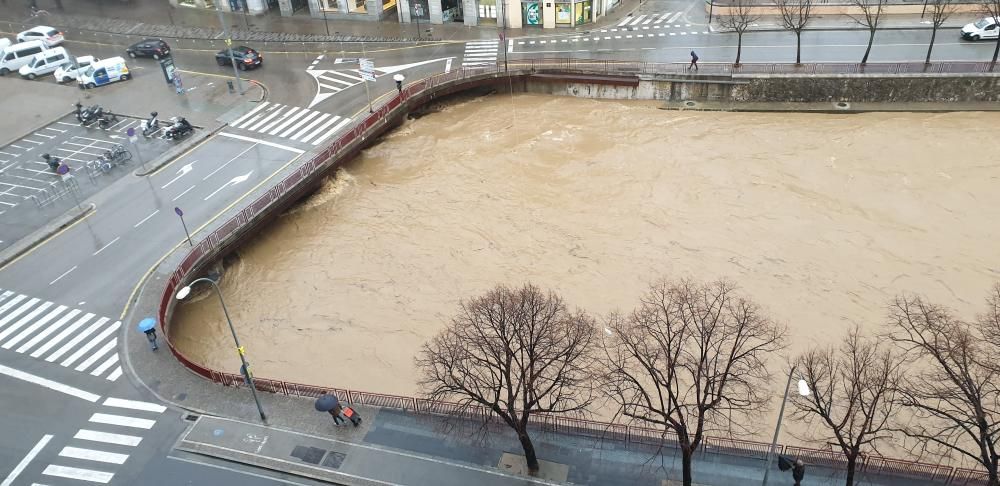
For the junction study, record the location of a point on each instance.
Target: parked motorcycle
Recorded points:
(88, 115)
(179, 129)
(107, 120)
(151, 125)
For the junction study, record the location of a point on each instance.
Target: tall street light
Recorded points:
(803, 391)
(229, 45)
(184, 292)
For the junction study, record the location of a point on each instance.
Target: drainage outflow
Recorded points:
(842, 105)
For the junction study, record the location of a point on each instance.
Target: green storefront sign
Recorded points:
(532, 16)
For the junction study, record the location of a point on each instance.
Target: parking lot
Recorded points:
(31, 193)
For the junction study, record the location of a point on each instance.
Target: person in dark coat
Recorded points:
(694, 61)
(335, 412)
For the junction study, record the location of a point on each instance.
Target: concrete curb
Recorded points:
(39, 236)
(34, 129)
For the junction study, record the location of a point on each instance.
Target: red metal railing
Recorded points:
(349, 142)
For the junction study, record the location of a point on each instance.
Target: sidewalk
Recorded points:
(400, 447)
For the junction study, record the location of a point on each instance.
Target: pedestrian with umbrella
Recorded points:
(331, 405)
(148, 327)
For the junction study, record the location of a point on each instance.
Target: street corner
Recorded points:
(204, 97)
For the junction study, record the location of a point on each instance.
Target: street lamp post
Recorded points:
(229, 45)
(804, 391)
(184, 292)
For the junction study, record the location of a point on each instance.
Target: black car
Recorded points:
(245, 57)
(154, 48)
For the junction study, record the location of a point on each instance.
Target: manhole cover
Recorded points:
(334, 459)
(312, 455)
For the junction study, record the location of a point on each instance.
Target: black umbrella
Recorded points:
(325, 403)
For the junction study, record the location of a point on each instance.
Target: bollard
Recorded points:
(231, 88)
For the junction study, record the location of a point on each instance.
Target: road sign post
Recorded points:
(180, 214)
(367, 74)
(134, 140)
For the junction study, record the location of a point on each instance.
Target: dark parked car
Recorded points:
(245, 57)
(154, 48)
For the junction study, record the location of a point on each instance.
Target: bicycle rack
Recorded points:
(55, 191)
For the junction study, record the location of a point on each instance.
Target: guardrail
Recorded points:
(629, 435)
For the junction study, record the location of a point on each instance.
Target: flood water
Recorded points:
(820, 218)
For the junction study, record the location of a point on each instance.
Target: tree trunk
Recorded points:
(798, 47)
(996, 51)
(852, 463)
(931, 46)
(994, 479)
(529, 452)
(739, 47)
(871, 39)
(686, 465)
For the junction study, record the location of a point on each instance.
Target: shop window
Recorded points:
(564, 14)
(583, 12)
(357, 6)
(331, 5)
(387, 4)
(531, 14)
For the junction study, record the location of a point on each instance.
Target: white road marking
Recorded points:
(105, 365)
(146, 218)
(49, 330)
(26, 460)
(20, 310)
(105, 246)
(108, 346)
(263, 142)
(674, 18)
(34, 327)
(134, 405)
(217, 169)
(320, 129)
(117, 439)
(447, 65)
(115, 374)
(75, 340)
(309, 126)
(51, 385)
(249, 114)
(93, 455)
(122, 420)
(63, 275)
(182, 194)
(333, 130)
(79, 474)
(275, 112)
(180, 173)
(284, 117)
(24, 320)
(90, 345)
(232, 182)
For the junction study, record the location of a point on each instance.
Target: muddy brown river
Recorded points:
(821, 218)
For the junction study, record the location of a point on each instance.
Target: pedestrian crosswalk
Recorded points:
(72, 338)
(651, 19)
(107, 441)
(480, 52)
(291, 122)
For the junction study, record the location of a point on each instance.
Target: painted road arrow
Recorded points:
(180, 173)
(322, 94)
(232, 182)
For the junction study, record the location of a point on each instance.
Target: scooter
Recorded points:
(179, 129)
(150, 126)
(88, 115)
(107, 120)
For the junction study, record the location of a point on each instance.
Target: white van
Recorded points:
(44, 63)
(4, 43)
(105, 71)
(984, 28)
(17, 55)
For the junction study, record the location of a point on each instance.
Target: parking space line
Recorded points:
(54, 129)
(70, 124)
(119, 123)
(129, 124)
(42, 135)
(18, 146)
(96, 140)
(8, 153)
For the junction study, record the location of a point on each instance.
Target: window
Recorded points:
(52, 32)
(10, 57)
(30, 52)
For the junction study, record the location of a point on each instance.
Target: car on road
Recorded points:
(984, 28)
(246, 57)
(51, 37)
(155, 48)
(105, 72)
(44, 63)
(69, 72)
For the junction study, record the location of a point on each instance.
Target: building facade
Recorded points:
(515, 14)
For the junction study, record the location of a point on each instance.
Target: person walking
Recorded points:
(694, 61)
(335, 413)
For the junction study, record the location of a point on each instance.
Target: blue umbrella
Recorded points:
(147, 324)
(325, 403)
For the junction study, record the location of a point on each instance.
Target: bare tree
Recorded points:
(951, 389)
(940, 11)
(852, 395)
(870, 18)
(992, 9)
(741, 14)
(692, 360)
(518, 352)
(795, 16)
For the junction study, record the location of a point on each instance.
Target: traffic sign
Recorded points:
(367, 69)
(131, 135)
(63, 169)
(178, 211)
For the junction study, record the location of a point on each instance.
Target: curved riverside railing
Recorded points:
(295, 184)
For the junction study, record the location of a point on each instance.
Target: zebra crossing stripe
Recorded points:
(122, 420)
(93, 455)
(12, 303)
(335, 80)
(134, 405)
(105, 365)
(6, 294)
(320, 129)
(97, 355)
(674, 18)
(309, 126)
(333, 130)
(276, 112)
(288, 121)
(310, 116)
(24, 320)
(249, 113)
(20, 310)
(76, 340)
(78, 473)
(284, 116)
(90, 345)
(34, 327)
(117, 439)
(42, 335)
(115, 374)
